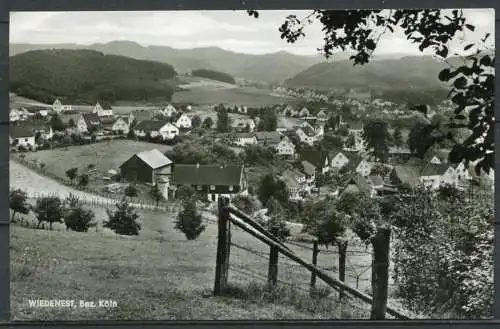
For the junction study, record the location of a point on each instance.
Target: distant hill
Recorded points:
(87, 76)
(406, 73)
(267, 68)
(214, 75)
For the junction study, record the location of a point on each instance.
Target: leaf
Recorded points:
(469, 46)
(460, 83)
(485, 61)
(444, 75)
(470, 27)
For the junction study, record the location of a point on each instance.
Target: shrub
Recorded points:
(76, 217)
(49, 209)
(189, 221)
(124, 220)
(131, 191)
(17, 202)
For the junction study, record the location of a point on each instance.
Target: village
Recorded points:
(307, 171)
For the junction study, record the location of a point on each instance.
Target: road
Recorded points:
(36, 185)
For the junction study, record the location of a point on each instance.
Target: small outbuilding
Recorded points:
(148, 167)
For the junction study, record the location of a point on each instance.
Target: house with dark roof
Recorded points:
(296, 184)
(156, 128)
(268, 138)
(405, 175)
(213, 180)
(22, 136)
(320, 160)
(338, 159)
(307, 135)
(304, 112)
(434, 175)
(243, 139)
(151, 167)
(141, 115)
(117, 125)
(88, 122)
(40, 128)
(243, 124)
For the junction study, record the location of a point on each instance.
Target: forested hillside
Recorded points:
(214, 75)
(84, 76)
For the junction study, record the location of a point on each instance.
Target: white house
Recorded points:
(364, 168)
(22, 136)
(306, 135)
(88, 122)
(169, 111)
(242, 109)
(435, 175)
(339, 160)
(304, 112)
(285, 147)
(14, 115)
(242, 124)
(57, 106)
(102, 112)
(296, 184)
(243, 139)
(119, 126)
(169, 131)
(183, 122)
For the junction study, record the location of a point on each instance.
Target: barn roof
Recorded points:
(188, 174)
(91, 119)
(268, 137)
(315, 157)
(21, 131)
(432, 169)
(154, 158)
(407, 174)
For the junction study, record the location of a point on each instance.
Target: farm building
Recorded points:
(243, 125)
(214, 181)
(148, 167)
(117, 126)
(141, 115)
(183, 121)
(169, 111)
(268, 138)
(101, 111)
(156, 128)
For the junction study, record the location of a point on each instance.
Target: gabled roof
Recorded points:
(308, 131)
(91, 119)
(188, 174)
(432, 169)
(154, 159)
(141, 115)
(309, 168)
(150, 125)
(407, 174)
(21, 131)
(321, 114)
(291, 178)
(315, 157)
(269, 137)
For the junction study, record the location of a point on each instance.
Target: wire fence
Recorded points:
(250, 260)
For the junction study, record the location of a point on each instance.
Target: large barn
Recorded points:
(148, 167)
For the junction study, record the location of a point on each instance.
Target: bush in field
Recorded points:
(123, 220)
(83, 180)
(76, 217)
(49, 209)
(131, 191)
(18, 204)
(72, 174)
(189, 221)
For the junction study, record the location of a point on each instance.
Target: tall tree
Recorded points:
(49, 209)
(56, 123)
(471, 81)
(223, 121)
(124, 220)
(397, 138)
(268, 120)
(377, 138)
(17, 202)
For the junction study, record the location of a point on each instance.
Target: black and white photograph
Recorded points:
(252, 164)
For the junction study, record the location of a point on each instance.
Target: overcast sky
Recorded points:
(230, 30)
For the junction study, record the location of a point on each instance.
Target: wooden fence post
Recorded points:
(223, 248)
(314, 262)
(272, 273)
(342, 246)
(380, 273)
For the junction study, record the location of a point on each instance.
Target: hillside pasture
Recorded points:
(156, 275)
(105, 156)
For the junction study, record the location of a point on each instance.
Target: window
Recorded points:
(230, 187)
(199, 187)
(212, 187)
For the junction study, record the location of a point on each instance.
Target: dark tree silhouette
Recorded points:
(471, 79)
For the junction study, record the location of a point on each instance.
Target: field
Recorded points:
(105, 156)
(157, 275)
(244, 96)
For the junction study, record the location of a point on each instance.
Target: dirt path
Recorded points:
(36, 185)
